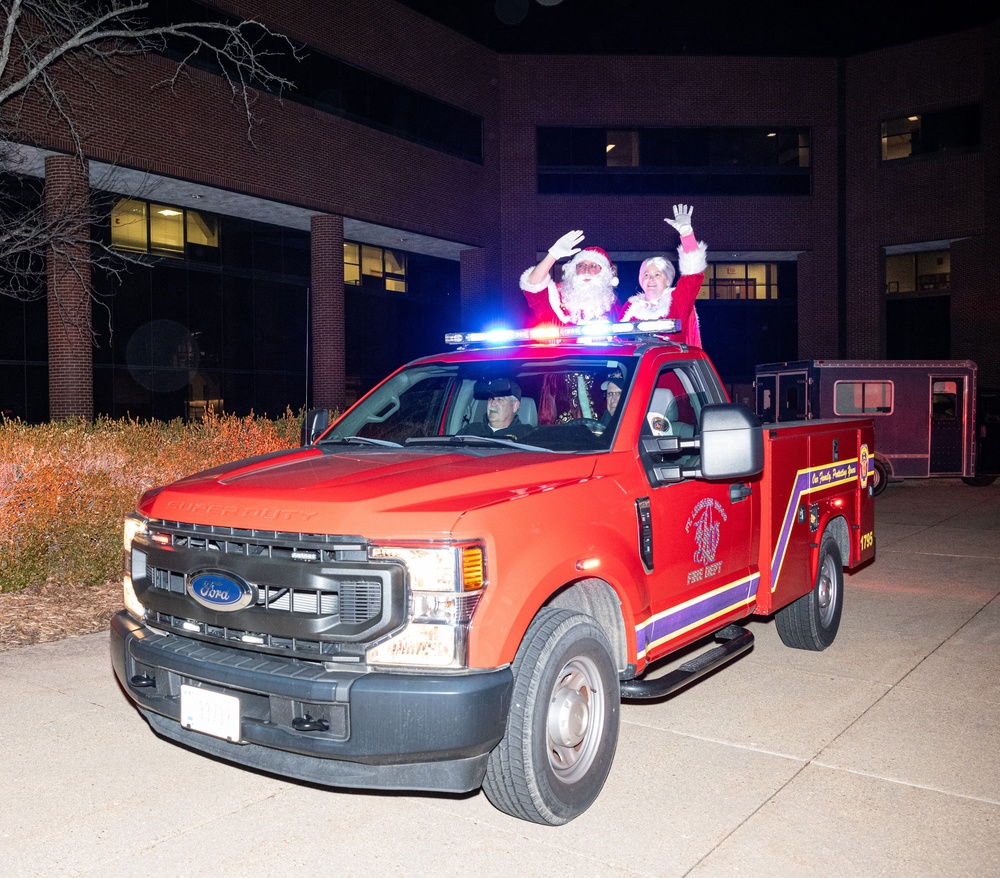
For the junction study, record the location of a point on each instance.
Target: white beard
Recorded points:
(587, 301)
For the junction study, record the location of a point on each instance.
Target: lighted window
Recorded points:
(922, 272)
(371, 261)
(740, 280)
(374, 267)
(395, 271)
(160, 229)
(862, 398)
(166, 230)
(352, 264)
(202, 228)
(128, 226)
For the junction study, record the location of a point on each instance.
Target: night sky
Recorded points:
(715, 27)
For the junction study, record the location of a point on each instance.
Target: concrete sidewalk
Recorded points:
(878, 756)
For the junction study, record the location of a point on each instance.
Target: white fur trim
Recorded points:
(534, 288)
(555, 303)
(694, 262)
(639, 308)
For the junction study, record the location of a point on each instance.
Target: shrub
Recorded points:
(65, 486)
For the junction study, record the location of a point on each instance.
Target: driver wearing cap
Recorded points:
(501, 420)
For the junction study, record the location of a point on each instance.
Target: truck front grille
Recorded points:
(314, 595)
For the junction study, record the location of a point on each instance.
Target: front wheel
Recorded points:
(812, 621)
(562, 729)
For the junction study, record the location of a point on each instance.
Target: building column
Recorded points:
(327, 329)
(71, 374)
(477, 306)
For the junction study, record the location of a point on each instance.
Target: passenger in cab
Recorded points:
(659, 299)
(587, 290)
(612, 388)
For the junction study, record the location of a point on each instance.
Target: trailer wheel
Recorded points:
(562, 729)
(880, 480)
(979, 481)
(812, 621)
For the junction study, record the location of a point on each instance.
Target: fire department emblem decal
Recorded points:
(863, 461)
(706, 522)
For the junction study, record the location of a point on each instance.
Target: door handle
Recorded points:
(739, 492)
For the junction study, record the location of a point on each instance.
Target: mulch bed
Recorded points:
(43, 613)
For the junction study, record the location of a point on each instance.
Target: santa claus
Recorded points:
(659, 299)
(587, 291)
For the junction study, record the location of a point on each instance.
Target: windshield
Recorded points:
(569, 404)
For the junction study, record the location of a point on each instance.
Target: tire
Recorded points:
(979, 481)
(562, 729)
(880, 480)
(812, 621)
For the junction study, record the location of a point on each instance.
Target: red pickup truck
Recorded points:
(412, 601)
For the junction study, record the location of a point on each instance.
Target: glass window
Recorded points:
(202, 228)
(166, 230)
(352, 263)
(674, 161)
(163, 230)
(944, 406)
(919, 272)
(395, 271)
(371, 261)
(742, 280)
(898, 136)
(128, 225)
(954, 130)
(623, 149)
(862, 398)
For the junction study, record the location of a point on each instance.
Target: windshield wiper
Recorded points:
(361, 440)
(465, 439)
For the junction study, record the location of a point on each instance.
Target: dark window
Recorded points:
(675, 161)
(955, 130)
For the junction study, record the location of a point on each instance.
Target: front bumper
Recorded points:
(381, 730)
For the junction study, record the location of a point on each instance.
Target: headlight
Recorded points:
(134, 564)
(446, 584)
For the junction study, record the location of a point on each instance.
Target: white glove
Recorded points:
(567, 245)
(682, 219)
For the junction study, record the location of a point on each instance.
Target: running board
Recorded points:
(735, 641)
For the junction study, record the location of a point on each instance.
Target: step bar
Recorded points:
(734, 641)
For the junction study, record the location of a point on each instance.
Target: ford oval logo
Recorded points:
(220, 591)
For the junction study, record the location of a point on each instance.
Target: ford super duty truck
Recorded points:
(400, 604)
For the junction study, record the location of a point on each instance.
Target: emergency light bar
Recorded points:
(549, 333)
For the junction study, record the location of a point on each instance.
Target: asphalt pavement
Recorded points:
(877, 757)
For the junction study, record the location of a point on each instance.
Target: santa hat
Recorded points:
(596, 255)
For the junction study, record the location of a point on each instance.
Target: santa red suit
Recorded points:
(675, 302)
(580, 298)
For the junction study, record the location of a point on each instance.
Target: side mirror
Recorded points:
(732, 442)
(313, 424)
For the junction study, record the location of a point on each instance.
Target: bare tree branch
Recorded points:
(47, 40)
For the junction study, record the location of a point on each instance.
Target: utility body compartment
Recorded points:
(814, 473)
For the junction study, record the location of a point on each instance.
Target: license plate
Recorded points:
(211, 713)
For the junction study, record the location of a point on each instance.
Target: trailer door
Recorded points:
(793, 398)
(948, 427)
